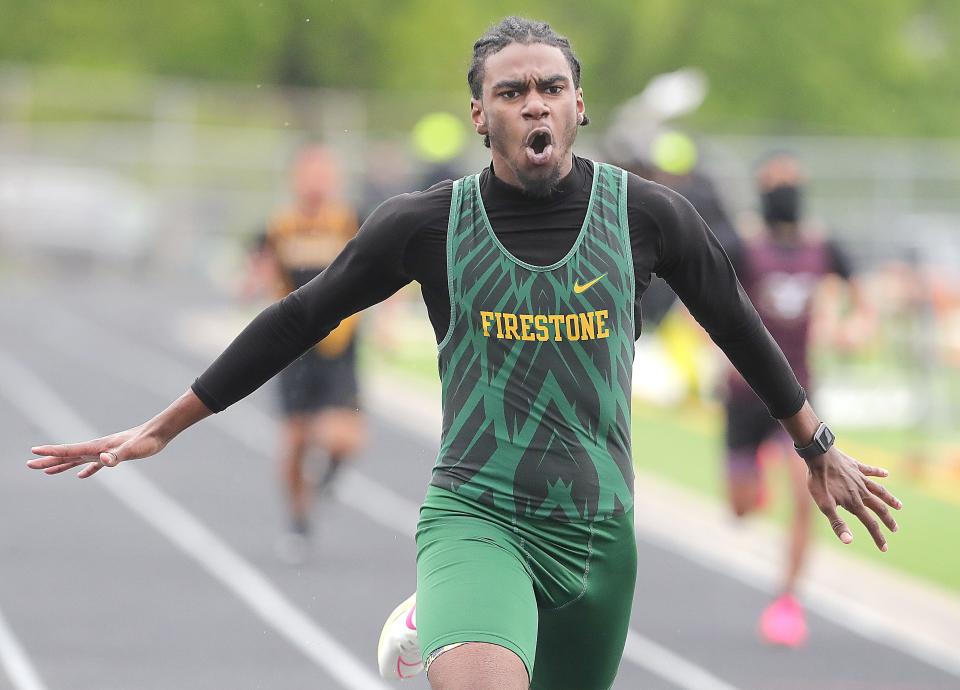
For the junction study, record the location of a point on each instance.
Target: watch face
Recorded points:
(825, 438)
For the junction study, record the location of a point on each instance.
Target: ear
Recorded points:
(580, 106)
(478, 117)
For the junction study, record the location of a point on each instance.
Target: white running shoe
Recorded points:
(398, 651)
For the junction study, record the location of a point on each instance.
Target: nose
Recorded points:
(534, 108)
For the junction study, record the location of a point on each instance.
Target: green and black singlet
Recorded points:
(532, 368)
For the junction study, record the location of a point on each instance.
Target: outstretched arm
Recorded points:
(368, 270)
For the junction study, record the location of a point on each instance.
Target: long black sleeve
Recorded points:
(368, 270)
(691, 260)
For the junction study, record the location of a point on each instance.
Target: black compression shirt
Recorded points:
(405, 240)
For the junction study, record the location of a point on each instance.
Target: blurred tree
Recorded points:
(864, 66)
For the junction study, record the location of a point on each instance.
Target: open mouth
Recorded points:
(539, 145)
(539, 140)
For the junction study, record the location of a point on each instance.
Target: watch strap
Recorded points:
(823, 438)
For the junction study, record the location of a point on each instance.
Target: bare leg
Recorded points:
(783, 621)
(478, 666)
(291, 466)
(800, 524)
(340, 432)
(744, 488)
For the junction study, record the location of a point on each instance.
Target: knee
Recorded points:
(744, 496)
(341, 434)
(478, 666)
(342, 445)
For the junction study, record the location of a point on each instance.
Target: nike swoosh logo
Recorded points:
(578, 288)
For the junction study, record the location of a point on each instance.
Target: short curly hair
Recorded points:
(525, 32)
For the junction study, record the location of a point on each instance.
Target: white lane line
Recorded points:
(666, 664)
(55, 418)
(156, 372)
(15, 661)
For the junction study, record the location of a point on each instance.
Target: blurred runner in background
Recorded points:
(781, 271)
(318, 391)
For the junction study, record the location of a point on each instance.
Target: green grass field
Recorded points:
(683, 445)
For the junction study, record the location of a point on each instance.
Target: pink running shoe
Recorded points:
(784, 623)
(398, 651)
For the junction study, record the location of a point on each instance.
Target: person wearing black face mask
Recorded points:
(780, 272)
(781, 205)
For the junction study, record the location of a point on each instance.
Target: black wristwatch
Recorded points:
(823, 438)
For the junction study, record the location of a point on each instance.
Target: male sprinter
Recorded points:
(318, 391)
(531, 271)
(781, 272)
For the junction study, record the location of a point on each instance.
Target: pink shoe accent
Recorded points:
(784, 623)
(400, 662)
(410, 623)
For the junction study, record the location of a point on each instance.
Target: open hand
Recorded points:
(108, 451)
(836, 479)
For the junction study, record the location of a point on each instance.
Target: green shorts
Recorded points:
(557, 594)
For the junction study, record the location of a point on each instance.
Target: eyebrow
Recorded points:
(520, 84)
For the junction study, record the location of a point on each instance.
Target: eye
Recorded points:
(554, 90)
(509, 95)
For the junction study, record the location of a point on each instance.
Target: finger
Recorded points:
(66, 450)
(872, 471)
(880, 508)
(91, 469)
(109, 458)
(873, 527)
(839, 526)
(49, 461)
(63, 467)
(881, 492)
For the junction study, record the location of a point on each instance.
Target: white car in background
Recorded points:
(59, 208)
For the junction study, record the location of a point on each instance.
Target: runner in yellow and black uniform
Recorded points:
(318, 391)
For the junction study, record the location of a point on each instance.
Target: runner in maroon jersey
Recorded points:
(780, 272)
